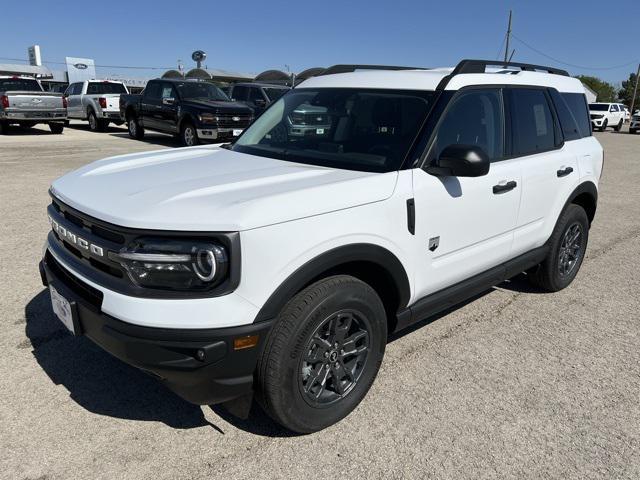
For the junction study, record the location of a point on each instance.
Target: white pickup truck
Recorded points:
(97, 101)
(24, 102)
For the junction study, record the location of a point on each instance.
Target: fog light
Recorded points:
(245, 342)
(201, 355)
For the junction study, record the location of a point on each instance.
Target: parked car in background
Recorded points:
(195, 110)
(23, 101)
(635, 122)
(256, 96)
(627, 114)
(97, 101)
(605, 115)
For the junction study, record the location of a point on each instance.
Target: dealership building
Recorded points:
(75, 69)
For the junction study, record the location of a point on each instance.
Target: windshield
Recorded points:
(100, 88)
(24, 84)
(201, 91)
(599, 107)
(370, 130)
(275, 93)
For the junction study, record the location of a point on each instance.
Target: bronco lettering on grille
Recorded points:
(74, 239)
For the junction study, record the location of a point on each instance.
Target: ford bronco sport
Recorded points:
(278, 265)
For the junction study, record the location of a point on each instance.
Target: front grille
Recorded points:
(595, 116)
(228, 120)
(89, 229)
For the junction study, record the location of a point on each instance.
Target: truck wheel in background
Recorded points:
(56, 128)
(4, 128)
(618, 127)
(322, 354)
(96, 124)
(189, 135)
(633, 130)
(135, 130)
(604, 125)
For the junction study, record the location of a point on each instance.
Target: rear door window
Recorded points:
(532, 124)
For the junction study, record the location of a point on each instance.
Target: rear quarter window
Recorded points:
(577, 104)
(568, 123)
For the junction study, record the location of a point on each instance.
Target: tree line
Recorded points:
(608, 93)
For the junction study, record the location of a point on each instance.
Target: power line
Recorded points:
(582, 67)
(504, 37)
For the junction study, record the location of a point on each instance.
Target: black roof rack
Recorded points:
(352, 68)
(479, 66)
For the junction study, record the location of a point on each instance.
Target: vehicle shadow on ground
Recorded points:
(15, 130)
(153, 139)
(99, 382)
(85, 128)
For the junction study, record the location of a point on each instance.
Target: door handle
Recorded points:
(563, 172)
(504, 187)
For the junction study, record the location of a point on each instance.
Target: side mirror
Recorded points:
(168, 101)
(461, 161)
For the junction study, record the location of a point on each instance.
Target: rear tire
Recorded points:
(96, 124)
(322, 354)
(135, 129)
(189, 135)
(4, 128)
(56, 128)
(567, 247)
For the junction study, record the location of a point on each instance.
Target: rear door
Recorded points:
(549, 163)
(74, 100)
(465, 225)
(169, 108)
(150, 105)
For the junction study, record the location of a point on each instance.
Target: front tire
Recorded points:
(604, 125)
(322, 354)
(56, 128)
(567, 247)
(189, 135)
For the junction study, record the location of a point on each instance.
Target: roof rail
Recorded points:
(352, 68)
(479, 66)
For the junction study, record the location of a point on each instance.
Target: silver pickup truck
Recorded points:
(97, 101)
(24, 102)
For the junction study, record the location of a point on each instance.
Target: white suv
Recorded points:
(605, 115)
(279, 264)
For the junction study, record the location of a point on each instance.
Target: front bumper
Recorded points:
(214, 134)
(200, 365)
(597, 122)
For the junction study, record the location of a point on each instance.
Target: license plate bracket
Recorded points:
(66, 311)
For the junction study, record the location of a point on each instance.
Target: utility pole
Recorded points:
(506, 48)
(635, 91)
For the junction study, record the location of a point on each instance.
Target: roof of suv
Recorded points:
(260, 84)
(430, 79)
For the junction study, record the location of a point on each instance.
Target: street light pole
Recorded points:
(635, 90)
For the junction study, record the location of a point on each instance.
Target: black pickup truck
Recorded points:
(195, 110)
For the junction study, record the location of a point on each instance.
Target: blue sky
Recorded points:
(252, 36)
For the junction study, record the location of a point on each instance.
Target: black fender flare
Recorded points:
(332, 259)
(591, 190)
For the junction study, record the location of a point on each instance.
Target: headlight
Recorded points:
(208, 118)
(182, 265)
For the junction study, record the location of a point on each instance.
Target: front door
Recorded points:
(465, 225)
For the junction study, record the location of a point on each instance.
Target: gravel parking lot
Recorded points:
(516, 384)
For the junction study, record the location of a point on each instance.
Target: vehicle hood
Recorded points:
(213, 189)
(218, 106)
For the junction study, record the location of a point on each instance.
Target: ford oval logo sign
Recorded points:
(235, 119)
(80, 66)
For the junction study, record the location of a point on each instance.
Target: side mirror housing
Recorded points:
(461, 161)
